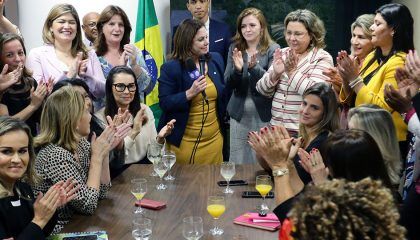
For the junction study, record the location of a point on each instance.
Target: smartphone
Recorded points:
(87, 237)
(255, 194)
(232, 183)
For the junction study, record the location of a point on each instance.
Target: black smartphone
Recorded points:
(255, 194)
(232, 183)
(87, 237)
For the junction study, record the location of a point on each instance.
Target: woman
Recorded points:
(64, 55)
(349, 154)
(113, 48)
(295, 68)
(197, 104)
(339, 210)
(122, 95)
(250, 55)
(23, 99)
(375, 120)
(392, 35)
(64, 151)
(22, 216)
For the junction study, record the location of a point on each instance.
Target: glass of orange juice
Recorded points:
(216, 207)
(263, 185)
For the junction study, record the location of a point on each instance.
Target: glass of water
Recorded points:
(192, 228)
(169, 158)
(227, 169)
(142, 228)
(154, 153)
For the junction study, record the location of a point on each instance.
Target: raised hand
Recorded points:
(8, 79)
(50, 84)
(45, 206)
(347, 66)
(83, 67)
(100, 146)
(253, 60)
(165, 131)
(67, 189)
(238, 61)
(406, 84)
(75, 66)
(139, 120)
(412, 65)
(38, 96)
(273, 144)
(291, 62)
(314, 165)
(197, 87)
(131, 53)
(397, 99)
(296, 143)
(278, 66)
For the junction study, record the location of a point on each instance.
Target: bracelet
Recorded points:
(352, 84)
(280, 172)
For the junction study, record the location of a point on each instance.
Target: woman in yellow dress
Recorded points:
(196, 101)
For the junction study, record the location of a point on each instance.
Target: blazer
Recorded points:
(220, 38)
(243, 82)
(174, 81)
(44, 63)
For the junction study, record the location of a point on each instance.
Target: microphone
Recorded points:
(193, 71)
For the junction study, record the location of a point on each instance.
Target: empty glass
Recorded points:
(227, 169)
(170, 159)
(192, 228)
(142, 228)
(160, 168)
(154, 152)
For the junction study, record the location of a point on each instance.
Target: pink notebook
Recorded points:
(250, 219)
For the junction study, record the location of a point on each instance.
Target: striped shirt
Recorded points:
(288, 91)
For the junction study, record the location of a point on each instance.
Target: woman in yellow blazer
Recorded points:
(392, 35)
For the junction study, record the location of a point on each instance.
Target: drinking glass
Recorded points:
(263, 185)
(139, 189)
(160, 168)
(192, 228)
(227, 169)
(154, 152)
(142, 228)
(170, 159)
(216, 207)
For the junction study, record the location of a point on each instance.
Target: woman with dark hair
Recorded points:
(196, 102)
(23, 215)
(295, 68)
(318, 118)
(23, 99)
(114, 49)
(64, 54)
(349, 154)
(250, 56)
(122, 96)
(392, 35)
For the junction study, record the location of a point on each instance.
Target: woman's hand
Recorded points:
(278, 66)
(296, 143)
(140, 119)
(38, 96)
(67, 189)
(314, 165)
(197, 87)
(100, 146)
(252, 60)
(412, 65)
(238, 61)
(45, 206)
(83, 67)
(8, 79)
(131, 53)
(75, 66)
(291, 63)
(273, 144)
(347, 66)
(165, 131)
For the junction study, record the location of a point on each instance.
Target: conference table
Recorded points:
(185, 196)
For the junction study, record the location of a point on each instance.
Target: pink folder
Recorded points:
(250, 219)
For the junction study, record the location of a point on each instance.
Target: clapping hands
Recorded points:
(313, 164)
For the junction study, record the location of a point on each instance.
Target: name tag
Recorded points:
(218, 40)
(15, 203)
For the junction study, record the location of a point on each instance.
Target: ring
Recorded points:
(386, 99)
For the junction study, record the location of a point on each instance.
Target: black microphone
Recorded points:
(193, 72)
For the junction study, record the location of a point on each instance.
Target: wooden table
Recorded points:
(186, 196)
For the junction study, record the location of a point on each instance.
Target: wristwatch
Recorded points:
(280, 172)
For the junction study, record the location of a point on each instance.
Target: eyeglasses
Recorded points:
(298, 35)
(120, 87)
(92, 24)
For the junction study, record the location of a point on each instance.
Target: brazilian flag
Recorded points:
(148, 40)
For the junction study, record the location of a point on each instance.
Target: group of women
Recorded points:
(85, 109)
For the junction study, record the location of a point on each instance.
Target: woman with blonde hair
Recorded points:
(378, 123)
(64, 152)
(250, 56)
(22, 214)
(64, 55)
(295, 68)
